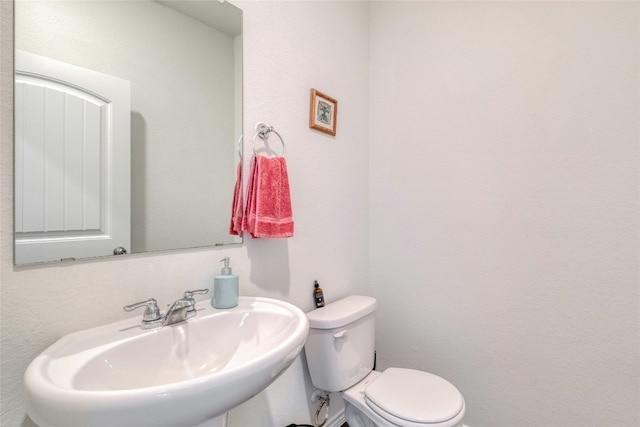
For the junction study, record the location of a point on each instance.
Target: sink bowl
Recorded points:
(184, 374)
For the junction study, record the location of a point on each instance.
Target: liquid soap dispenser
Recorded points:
(225, 287)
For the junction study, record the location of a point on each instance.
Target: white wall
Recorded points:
(329, 190)
(504, 224)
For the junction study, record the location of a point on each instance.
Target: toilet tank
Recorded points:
(341, 342)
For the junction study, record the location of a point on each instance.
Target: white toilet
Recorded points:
(340, 354)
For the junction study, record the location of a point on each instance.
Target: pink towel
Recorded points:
(235, 227)
(268, 211)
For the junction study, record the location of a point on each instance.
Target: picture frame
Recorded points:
(323, 112)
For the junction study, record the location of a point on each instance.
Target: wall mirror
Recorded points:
(128, 126)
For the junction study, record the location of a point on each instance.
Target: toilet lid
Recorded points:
(415, 396)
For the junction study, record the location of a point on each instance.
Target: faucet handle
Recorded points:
(190, 294)
(151, 312)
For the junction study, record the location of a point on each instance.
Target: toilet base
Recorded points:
(355, 418)
(356, 410)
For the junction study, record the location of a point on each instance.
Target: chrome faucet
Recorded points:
(182, 309)
(179, 311)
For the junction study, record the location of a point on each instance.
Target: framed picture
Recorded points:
(323, 113)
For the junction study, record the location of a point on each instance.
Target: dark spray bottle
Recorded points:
(318, 295)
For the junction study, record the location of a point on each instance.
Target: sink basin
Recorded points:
(185, 374)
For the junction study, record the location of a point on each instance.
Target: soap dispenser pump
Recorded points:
(225, 287)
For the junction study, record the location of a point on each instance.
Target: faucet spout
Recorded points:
(178, 312)
(182, 309)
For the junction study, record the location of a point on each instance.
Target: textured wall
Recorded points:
(504, 204)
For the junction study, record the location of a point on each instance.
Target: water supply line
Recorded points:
(323, 397)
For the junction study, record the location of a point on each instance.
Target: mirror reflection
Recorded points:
(128, 117)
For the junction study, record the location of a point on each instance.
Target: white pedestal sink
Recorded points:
(187, 374)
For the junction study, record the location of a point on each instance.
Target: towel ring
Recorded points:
(239, 147)
(263, 132)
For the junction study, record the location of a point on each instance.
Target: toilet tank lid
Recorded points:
(341, 312)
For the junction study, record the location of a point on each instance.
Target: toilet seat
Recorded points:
(411, 398)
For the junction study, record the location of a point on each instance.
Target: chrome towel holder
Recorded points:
(239, 147)
(263, 131)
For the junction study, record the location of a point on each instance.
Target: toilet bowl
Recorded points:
(403, 397)
(339, 353)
